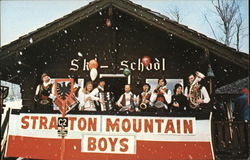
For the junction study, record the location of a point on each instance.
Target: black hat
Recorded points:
(101, 80)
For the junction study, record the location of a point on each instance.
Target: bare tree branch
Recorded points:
(211, 27)
(175, 14)
(238, 31)
(227, 12)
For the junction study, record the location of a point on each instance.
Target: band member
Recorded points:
(161, 95)
(127, 100)
(99, 92)
(144, 97)
(187, 88)
(86, 98)
(179, 101)
(43, 92)
(197, 93)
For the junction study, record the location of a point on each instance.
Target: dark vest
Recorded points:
(123, 102)
(44, 92)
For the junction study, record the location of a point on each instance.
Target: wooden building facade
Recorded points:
(118, 33)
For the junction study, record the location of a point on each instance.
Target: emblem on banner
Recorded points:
(64, 91)
(64, 94)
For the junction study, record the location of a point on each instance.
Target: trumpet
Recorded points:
(159, 88)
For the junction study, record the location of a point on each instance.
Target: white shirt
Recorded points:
(186, 91)
(167, 96)
(88, 105)
(204, 95)
(127, 98)
(95, 92)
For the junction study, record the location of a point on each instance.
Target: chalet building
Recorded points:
(118, 33)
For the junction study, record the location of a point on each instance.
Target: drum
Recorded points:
(160, 104)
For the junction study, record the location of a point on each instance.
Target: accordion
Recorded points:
(108, 98)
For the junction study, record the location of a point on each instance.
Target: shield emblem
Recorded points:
(63, 90)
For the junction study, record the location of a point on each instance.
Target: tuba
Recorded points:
(195, 90)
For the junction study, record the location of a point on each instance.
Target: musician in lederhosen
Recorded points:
(144, 98)
(187, 88)
(127, 100)
(197, 94)
(99, 92)
(42, 95)
(161, 96)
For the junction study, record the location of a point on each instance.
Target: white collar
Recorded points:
(100, 87)
(129, 93)
(46, 83)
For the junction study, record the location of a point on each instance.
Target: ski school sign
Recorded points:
(117, 137)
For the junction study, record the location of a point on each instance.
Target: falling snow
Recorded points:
(79, 54)
(31, 40)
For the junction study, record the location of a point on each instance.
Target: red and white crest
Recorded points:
(63, 90)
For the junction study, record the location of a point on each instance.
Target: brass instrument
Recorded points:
(143, 105)
(159, 88)
(195, 90)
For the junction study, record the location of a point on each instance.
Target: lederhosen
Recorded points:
(130, 106)
(160, 97)
(44, 102)
(123, 102)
